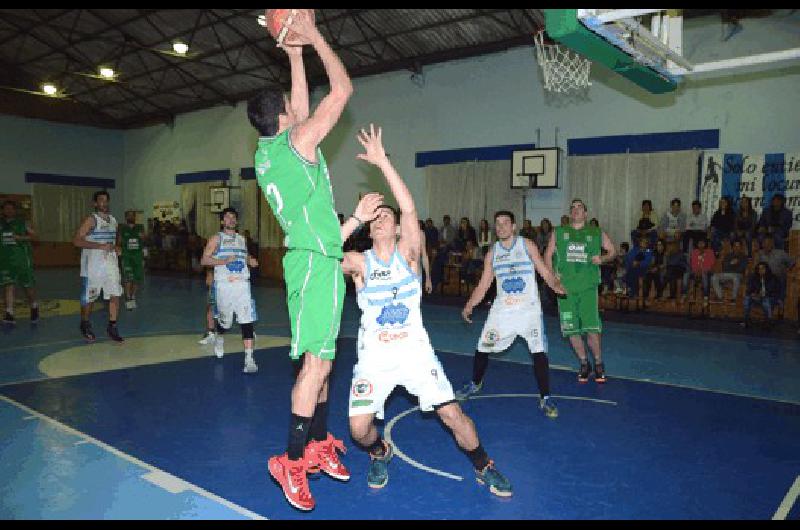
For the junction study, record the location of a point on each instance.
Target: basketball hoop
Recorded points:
(564, 70)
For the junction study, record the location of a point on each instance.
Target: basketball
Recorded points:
(276, 20)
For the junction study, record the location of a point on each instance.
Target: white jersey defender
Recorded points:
(393, 346)
(517, 310)
(100, 268)
(232, 282)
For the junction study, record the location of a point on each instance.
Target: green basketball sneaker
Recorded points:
(378, 474)
(498, 484)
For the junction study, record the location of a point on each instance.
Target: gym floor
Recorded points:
(695, 422)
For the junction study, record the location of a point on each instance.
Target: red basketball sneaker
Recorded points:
(322, 456)
(291, 475)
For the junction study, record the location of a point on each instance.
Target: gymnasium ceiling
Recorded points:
(230, 55)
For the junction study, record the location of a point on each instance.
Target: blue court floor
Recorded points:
(691, 425)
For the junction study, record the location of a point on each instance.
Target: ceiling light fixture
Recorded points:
(180, 47)
(106, 72)
(49, 89)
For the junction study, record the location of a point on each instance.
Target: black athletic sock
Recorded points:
(478, 457)
(112, 322)
(541, 369)
(479, 365)
(377, 448)
(318, 430)
(298, 436)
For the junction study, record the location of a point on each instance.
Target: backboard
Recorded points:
(534, 168)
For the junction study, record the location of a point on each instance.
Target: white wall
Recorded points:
(39, 146)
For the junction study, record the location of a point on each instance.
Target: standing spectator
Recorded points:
(484, 237)
(700, 266)
(431, 236)
(543, 235)
(762, 289)
(676, 268)
(447, 233)
(746, 223)
(657, 272)
(466, 232)
(527, 230)
(696, 226)
(637, 263)
(779, 264)
(733, 268)
(673, 222)
(775, 221)
(723, 223)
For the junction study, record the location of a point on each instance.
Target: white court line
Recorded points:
(788, 501)
(154, 471)
(387, 432)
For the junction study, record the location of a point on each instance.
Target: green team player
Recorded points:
(131, 238)
(16, 260)
(293, 175)
(574, 249)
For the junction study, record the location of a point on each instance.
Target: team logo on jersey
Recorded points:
(491, 337)
(362, 388)
(393, 314)
(513, 285)
(235, 266)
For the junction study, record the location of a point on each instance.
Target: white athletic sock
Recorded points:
(34, 305)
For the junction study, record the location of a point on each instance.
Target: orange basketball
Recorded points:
(276, 20)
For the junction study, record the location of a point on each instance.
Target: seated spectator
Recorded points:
(696, 227)
(646, 212)
(775, 221)
(466, 232)
(471, 264)
(676, 268)
(657, 272)
(762, 289)
(780, 263)
(645, 229)
(484, 238)
(637, 263)
(733, 269)
(618, 269)
(746, 224)
(673, 222)
(527, 230)
(594, 222)
(447, 233)
(701, 264)
(565, 220)
(723, 223)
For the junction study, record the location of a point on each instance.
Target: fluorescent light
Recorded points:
(180, 47)
(107, 72)
(49, 89)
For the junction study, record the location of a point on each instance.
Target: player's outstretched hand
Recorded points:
(367, 207)
(303, 25)
(373, 143)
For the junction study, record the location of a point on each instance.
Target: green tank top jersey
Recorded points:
(300, 195)
(131, 239)
(574, 252)
(10, 246)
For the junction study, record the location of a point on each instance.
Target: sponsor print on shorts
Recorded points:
(362, 390)
(490, 338)
(567, 323)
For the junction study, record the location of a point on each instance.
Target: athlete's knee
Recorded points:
(247, 331)
(360, 426)
(451, 413)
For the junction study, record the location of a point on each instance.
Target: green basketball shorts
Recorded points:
(132, 268)
(314, 296)
(579, 313)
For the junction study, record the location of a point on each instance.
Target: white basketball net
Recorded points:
(564, 70)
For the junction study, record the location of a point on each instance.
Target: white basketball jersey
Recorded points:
(515, 274)
(236, 246)
(95, 261)
(390, 305)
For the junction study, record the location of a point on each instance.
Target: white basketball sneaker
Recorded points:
(207, 338)
(219, 346)
(250, 366)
